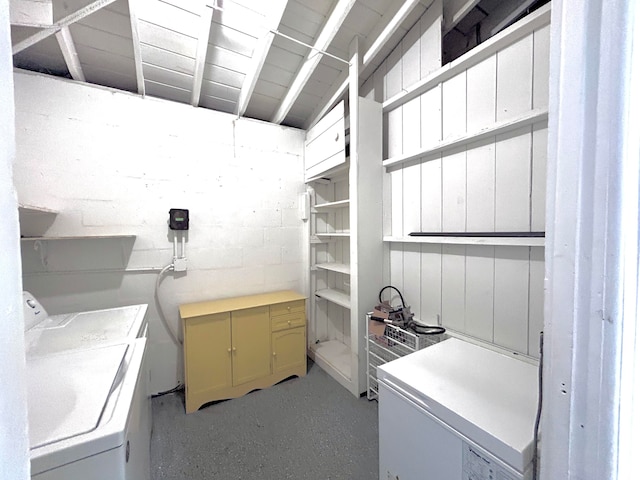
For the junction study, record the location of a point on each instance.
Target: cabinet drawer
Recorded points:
(282, 322)
(297, 306)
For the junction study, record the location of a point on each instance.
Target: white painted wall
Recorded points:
(492, 293)
(115, 163)
(14, 441)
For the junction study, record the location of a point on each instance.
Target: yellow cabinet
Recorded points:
(236, 345)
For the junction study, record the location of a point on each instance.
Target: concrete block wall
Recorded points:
(113, 163)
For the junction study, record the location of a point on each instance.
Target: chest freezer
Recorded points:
(457, 411)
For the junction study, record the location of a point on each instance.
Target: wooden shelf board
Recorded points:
(335, 267)
(498, 128)
(331, 205)
(78, 237)
(335, 296)
(333, 234)
(336, 354)
(490, 241)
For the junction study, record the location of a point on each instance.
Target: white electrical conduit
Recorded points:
(163, 318)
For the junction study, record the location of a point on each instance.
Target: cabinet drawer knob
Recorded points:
(288, 309)
(289, 322)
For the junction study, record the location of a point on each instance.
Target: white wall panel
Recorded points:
(454, 106)
(431, 282)
(513, 174)
(536, 299)
(411, 57)
(453, 285)
(393, 79)
(397, 203)
(481, 94)
(411, 215)
(539, 177)
(431, 116)
(411, 128)
(394, 132)
(479, 279)
(411, 288)
(454, 186)
(431, 39)
(541, 40)
(511, 298)
(431, 196)
(396, 266)
(515, 65)
(481, 183)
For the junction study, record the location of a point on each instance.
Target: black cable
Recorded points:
(538, 413)
(426, 329)
(391, 286)
(177, 388)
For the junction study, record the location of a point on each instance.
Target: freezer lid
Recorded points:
(67, 392)
(90, 329)
(488, 397)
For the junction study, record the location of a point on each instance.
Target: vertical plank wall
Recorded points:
(492, 293)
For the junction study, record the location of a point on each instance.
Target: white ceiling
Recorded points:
(217, 54)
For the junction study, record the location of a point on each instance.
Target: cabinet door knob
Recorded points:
(229, 350)
(337, 137)
(234, 349)
(274, 354)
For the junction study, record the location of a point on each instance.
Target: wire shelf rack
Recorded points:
(395, 343)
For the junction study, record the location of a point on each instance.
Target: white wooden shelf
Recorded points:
(335, 296)
(498, 128)
(333, 234)
(336, 354)
(78, 237)
(490, 241)
(32, 210)
(332, 205)
(335, 267)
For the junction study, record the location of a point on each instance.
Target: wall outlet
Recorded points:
(180, 264)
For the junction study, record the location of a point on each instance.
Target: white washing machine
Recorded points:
(88, 393)
(456, 411)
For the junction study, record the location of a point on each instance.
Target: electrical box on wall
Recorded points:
(179, 219)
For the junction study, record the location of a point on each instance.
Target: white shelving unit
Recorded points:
(345, 230)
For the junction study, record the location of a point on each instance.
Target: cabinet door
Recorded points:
(289, 349)
(207, 344)
(250, 333)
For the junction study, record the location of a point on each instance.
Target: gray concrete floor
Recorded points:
(303, 428)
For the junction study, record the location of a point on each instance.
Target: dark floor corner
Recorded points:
(303, 428)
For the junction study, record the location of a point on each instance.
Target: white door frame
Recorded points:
(590, 427)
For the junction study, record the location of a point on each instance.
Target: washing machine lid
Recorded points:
(488, 397)
(67, 392)
(89, 329)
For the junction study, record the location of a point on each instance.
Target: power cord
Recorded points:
(536, 427)
(176, 389)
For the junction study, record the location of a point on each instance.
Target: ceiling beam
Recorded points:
(135, 39)
(57, 26)
(381, 33)
(206, 16)
(70, 54)
(454, 11)
(272, 21)
(329, 31)
(31, 13)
